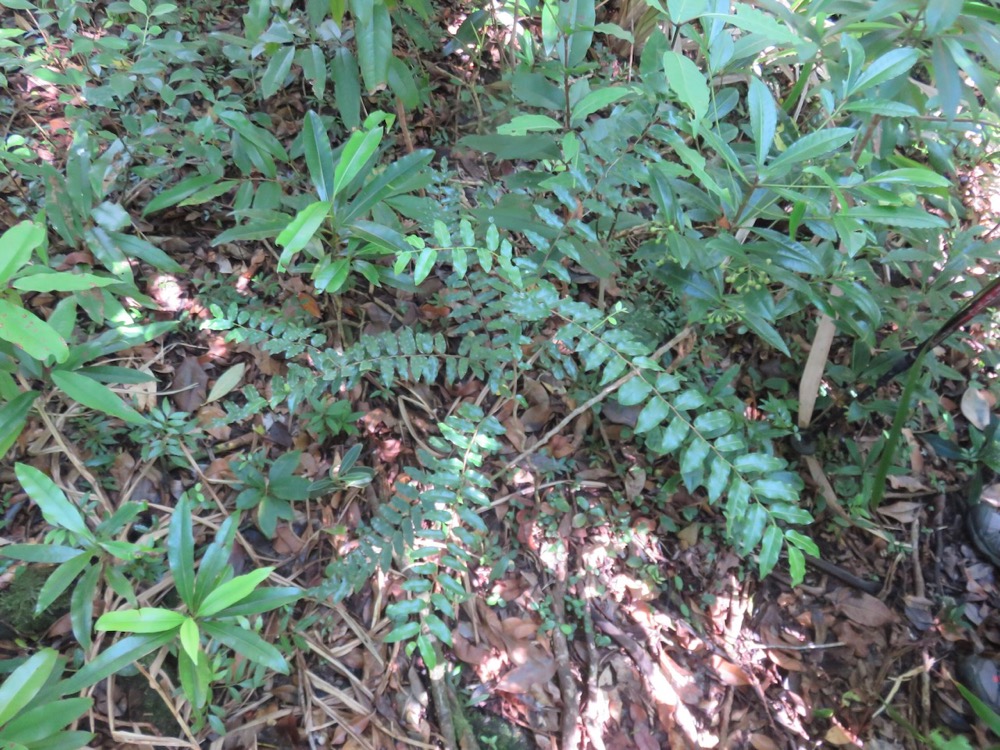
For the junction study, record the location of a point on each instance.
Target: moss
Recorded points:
(494, 731)
(18, 600)
(145, 705)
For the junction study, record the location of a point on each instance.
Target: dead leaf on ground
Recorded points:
(535, 671)
(862, 608)
(190, 385)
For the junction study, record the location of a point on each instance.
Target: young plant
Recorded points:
(31, 720)
(217, 607)
(271, 495)
(83, 556)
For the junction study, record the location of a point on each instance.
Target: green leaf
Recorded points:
(32, 334)
(402, 83)
(113, 659)
(137, 248)
(277, 69)
(56, 508)
(673, 437)
(718, 477)
(687, 82)
(232, 592)
(179, 192)
(381, 236)
(373, 40)
(712, 424)
(23, 684)
(92, 394)
(142, 620)
(16, 245)
(760, 463)
(41, 727)
(694, 455)
(50, 554)
(437, 628)
(190, 638)
(914, 176)
(300, 230)
(634, 391)
(808, 147)
(59, 580)
(424, 264)
(196, 679)
(796, 565)
(262, 600)
(595, 101)
(402, 632)
(775, 489)
(651, 415)
(180, 550)
(763, 117)
(81, 610)
(770, 550)
(319, 156)
(314, 69)
(13, 417)
(247, 644)
(215, 565)
(360, 147)
(347, 87)
(62, 282)
(892, 64)
(522, 124)
(902, 216)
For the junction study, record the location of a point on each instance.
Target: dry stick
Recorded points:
(593, 665)
(589, 403)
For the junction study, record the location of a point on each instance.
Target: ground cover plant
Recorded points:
(378, 374)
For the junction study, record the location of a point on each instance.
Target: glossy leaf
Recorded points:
(770, 550)
(262, 600)
(142, 620)
(687, 82)
(358, 150)
(232, 592)
(13, 417)
(190, 639)
(23, 684)
(300, 230)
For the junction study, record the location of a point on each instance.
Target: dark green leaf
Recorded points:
(319, 155)
(807, 147)
(113, 659)
(651, 415)
(51, 500)
(770, 550)
(92, 394)
(180, 550)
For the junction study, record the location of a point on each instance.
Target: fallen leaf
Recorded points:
(863, 609)
(190, 385)
(536, 671)
(976, 407)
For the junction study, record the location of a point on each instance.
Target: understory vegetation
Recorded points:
(328, 319)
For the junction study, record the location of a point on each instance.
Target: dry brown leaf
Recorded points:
(190, 384)
(904, 512)
(760, 741)
(536, 671)
(729, 673)
(863, 609)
